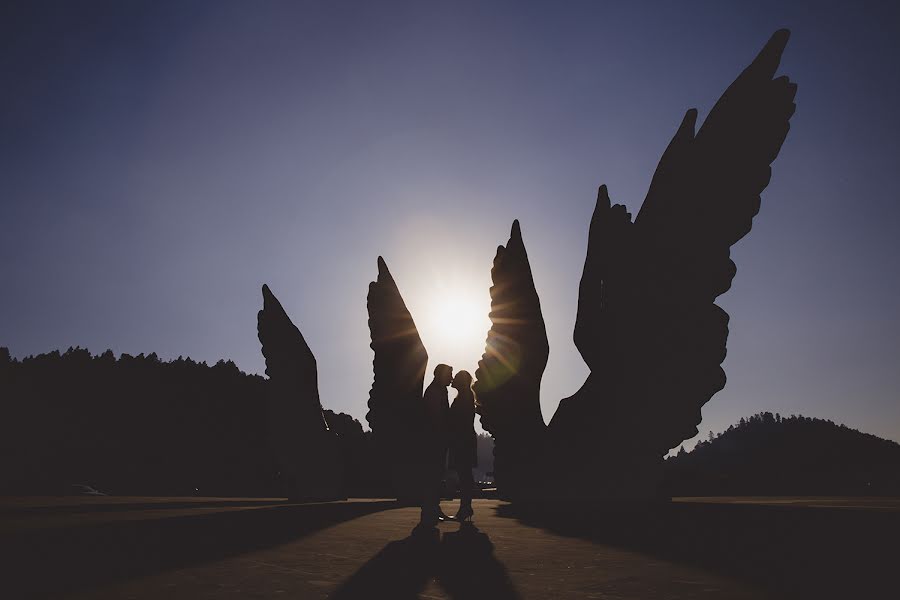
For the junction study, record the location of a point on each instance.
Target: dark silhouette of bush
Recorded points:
(363, 474)
(770, 455)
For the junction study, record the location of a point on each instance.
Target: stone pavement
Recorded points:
(258, 548)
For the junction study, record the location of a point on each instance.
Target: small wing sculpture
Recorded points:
(647, 325)
(307, 451)
(395, 400)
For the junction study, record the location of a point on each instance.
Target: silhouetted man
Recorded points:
(434, 436)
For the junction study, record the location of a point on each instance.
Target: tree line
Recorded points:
(143, 426)
(139, 425)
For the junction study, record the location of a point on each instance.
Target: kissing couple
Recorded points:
(447, 429)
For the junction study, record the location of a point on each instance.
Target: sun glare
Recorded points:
(455, 327)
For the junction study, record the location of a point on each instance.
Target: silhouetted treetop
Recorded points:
(769, 454)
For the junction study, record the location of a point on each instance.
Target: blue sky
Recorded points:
(160, 161)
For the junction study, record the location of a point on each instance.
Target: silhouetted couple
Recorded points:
(446, 428)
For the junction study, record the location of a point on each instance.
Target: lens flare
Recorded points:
(455, 326)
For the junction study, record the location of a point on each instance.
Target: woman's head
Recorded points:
(462, 381)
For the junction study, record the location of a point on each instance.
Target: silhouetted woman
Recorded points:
(461, 430)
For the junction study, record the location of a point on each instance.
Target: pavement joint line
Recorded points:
(279, 567)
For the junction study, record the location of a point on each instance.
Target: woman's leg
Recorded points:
(466, 487)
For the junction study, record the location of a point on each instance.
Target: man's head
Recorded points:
(443, 374)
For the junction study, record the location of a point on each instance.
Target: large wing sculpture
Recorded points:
(395, 400)
(307, 451)
(647, 325)
(509, 373)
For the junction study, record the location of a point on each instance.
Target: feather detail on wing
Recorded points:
(299, 434)
(400, 358)
(510, 371)
(290, 364)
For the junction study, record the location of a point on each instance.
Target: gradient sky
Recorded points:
(160, 161)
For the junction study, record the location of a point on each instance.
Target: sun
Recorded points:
(455, 326)
(454, 319)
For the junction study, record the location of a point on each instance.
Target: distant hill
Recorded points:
(770, 455)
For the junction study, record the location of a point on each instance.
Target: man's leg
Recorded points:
(440, 470)
(431, 495)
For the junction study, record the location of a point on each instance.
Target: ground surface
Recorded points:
(268, 548)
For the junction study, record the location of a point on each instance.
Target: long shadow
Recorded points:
(794, 552)
(469, 569)
(52, 562)
(99, 507)
(462, 562)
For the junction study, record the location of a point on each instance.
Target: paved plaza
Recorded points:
(268, 548)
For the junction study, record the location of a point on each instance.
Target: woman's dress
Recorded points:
(463, 451)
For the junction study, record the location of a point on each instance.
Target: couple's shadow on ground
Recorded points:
(462, 562)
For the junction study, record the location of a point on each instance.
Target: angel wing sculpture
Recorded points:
(508, 377)
(307, 450)
(395, 400)
(647, 325)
